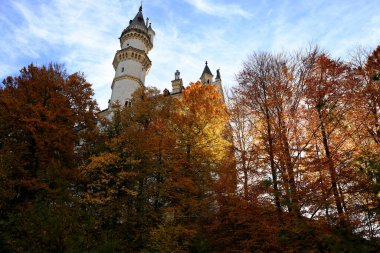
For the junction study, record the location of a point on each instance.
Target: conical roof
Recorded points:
(136, 23)
(139, 19)
(206, 70)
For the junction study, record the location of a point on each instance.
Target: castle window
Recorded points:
(128, 103)
(208, 81)
(122, 69)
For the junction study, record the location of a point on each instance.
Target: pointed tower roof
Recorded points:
(218, 75)
(206, 70)
(139, 18)
(137, 22)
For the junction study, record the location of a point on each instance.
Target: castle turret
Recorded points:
(177, 84)
(218, 82)
(131, 62)
(151, 33)
(207, 76)
(218, 75)
(207, 79)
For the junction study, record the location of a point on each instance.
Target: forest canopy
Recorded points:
(290, 163)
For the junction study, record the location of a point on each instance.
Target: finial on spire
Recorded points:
(206, 62)
(141, 6)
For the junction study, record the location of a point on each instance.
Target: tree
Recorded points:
(269, 91)
(365, 99)
(245, 148)
(201, 162)
(294, 119)
(159, 172)
(41, 113)
(373, 93)
(324, 95)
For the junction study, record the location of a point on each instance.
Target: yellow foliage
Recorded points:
(107, 177)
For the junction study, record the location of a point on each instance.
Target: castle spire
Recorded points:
(207, 70)
(218, 75)
(206, 76)
(139, 16)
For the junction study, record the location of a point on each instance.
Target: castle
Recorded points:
(132, 64)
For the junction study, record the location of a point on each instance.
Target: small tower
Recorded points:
(177, 84)
(131, 62)
(218, 83)
(206, 77)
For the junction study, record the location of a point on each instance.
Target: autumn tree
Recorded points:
(41, 113)
(122, 182)
(200, 163)
(155, 183)
(337, 98)
(271, 93)
(370, 77)
(245, 146)
(290, 165)
(324, 95)
(365, 118)
(296, 141)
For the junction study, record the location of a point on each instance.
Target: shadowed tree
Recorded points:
(41, 113)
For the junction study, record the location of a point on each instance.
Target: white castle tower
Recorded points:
(131, 62)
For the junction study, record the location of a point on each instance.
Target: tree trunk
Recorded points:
(331, 167)
(273, 168)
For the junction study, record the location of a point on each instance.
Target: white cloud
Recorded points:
(187, 51)
(83, 34)
(218, 9)
(79, 33)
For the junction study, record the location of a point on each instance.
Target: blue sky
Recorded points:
(83, 34)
